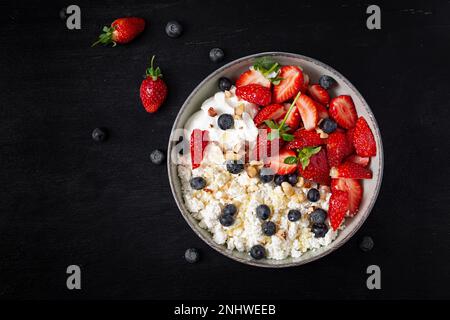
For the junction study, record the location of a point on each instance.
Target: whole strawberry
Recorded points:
(153, 90)
(122, 30)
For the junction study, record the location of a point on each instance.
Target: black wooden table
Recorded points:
(65, 199)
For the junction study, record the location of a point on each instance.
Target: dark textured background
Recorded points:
(67, 200)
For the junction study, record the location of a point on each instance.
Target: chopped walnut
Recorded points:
(212, 112)
(251, 171)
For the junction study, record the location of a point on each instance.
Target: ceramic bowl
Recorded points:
(314, 69)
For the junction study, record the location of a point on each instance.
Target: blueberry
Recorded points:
(258, 252)
(294, 215)
(279, 179)
(269, 228)
(366, 244)
(192, 255)
(174, 29)
(292, 179)
(197, 183)
(327, 82)
(229, 209)
(266, 175)
(225, 121)
(318, 216)
(224, 84)
(328, 125)
(234, 166)
(99, 134)
(313, 195)
(216, 55)
(319, 230)
(157, 156)
(263, 212)
(226, 220)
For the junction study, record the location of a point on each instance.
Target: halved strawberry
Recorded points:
(350, 170)
(337, 148)
(337, 209)
(252, 76)
(304, 138)
(354, 189)
(362, 161)
(349, 135)
(255, 93)
(277, 162)
(289, 86)
(293, 120)
(343, 111)
(321, 110)
(271, 112)
(199, 141)
(363, 139)
(319, 94)
(317, 169)
(304, 87)
(264, 146)
(308, 111)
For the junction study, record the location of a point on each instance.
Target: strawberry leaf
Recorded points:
(287, 137)
(271, 124)
(306, 153)
(291, 160)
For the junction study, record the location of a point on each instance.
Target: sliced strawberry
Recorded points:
(289, 86)
(272, 111)
(277, 162)
(255, 93)
(317, 169)
(264, 146)
(337, 208)
(349, 135)
(304, 87)
(319, 94)
(363, 139)
(337, 148)
(199, 141)
(304, 138)
(293, 120)
(321, 110)
(362, 161)
(308, 111)
(343, 111)
(252, 76)
(350, 170)
(354, 189)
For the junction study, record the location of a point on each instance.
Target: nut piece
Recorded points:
(251, 171)
(281, 234)
(287, 188)
(323, 135)
(301, 196)
(300, 182)
(239, 109)
(212, 112)
(227, 94)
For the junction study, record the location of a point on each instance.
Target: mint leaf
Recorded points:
(271, 124)
(290, 160)
(287, 137)
(272, 135)
(306, 153)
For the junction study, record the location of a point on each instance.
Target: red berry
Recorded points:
(354, 189)
(319, 94)
(153, 89)
(308, 111)
(317, 169)
(252, 77)
(363, 139)
(343, 111)
(304, 138)
(255, 93)
(289, 86)
(350, 170)
(337, 148)
(337, 209)
(271, 112)
(277, 162)
(199, 141)
(122, 30)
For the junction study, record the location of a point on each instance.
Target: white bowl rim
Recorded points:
(260, 263)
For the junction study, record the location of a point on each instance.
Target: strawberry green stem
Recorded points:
(152, 72)
(289, 110)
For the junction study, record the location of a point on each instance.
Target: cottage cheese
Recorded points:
(246, 193)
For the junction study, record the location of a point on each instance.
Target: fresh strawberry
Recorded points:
(308, 111)
(349, 135)
(343, 111)
(199, 141)
(252, 77)
(362, 161)
(304, 87)
(337, 148)
(304, 138)
(271, 112)
(255, 93)
(350, 170)
(321, 110)
(293, 120)
(290, 84)
(363, 139)
(264, 146)
(122, 30)
(354, 189)
(317, 169)
(153, 89)
(277, 162)
(319, 94)
(337, 208)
